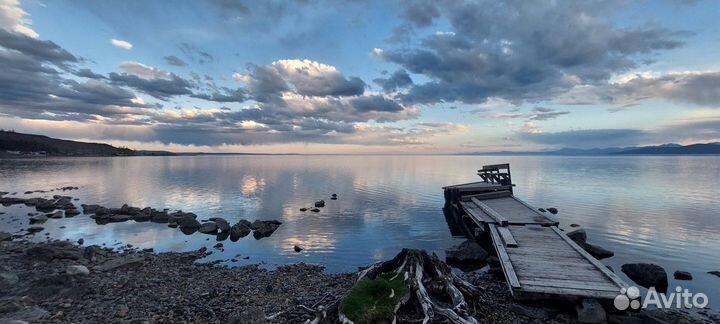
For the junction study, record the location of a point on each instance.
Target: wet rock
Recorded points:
(35, 229)
(219, 246)
(119, 218)
(534, 313)
(5, 236)
(553, 210)
(590, 311)
(714, 273)
(90, 209)
(159, 217)
(8, 278)
(239, 230)
(7, 201)
(647, 275)
(38, 219)
(49, 252)
(303, 209)
(124, 262)
(221, 223)
(56, 214)
(682, 275)
(64, 203)
(129, 210)
(264, 228)
(74, 270)
(468, 251)
(297, 248)
(542, 210)
(320, 203)
(333, 197)
(70, 212)
(188, 222)
(208, 228)
(141, 216)
(80, 241)
(597, 251)
(315, 210)
(578, 235)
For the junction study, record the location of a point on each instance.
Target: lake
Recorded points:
(663, 210)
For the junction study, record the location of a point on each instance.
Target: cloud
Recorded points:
(522, 50)
(14, 18)
(195, 53)
(589, 138)
(312, 78)
(399, 79)
(420, 12)
(45, 51)
(153, 81)
(540, 114)
(174, 60)
(697, 88)
(121, 44)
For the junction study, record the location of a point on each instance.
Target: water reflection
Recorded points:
(654, 209)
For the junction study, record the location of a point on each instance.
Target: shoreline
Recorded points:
(62, 282)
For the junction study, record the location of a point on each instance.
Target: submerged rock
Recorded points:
(264, 228)
(239, 230)
(38, 219)
(714, 273)
(552, 210)
(682, 275)
(320, 203)
(647, 275)
(315, 210)
(597, 251)
(578, 235)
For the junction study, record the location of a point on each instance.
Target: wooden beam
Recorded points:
(491, 195)
(550, 220)
(505, 263)
(500, 219)
(507, 237)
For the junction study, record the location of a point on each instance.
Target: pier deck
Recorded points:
(537, 258)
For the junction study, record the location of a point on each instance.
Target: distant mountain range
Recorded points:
(12, 143)
(665, 149)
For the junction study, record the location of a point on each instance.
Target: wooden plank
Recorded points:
(475, 213)
(590, 258)
(571, 284)
(507, 237)
(550, 220)
(490, 212)
(587, 293)
(523, 251)
(593, 276)
(558, 265)
(476, 183)
(490, 195)
(505, 263)
(523, 267)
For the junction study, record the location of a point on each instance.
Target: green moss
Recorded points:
(370, 302)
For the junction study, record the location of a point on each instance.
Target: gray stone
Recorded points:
(56, 214)
(297, 248)
(121, 263)
(119, 218)
(77, 270)
(5, 236)
(38, 219)
(682, 275)
(239, 230)
(552, 210)
(468, 251)
(591, 312)
(264, 228)
(578, 235)
(320, 203)
(222, 224)
(70, 212)
(647, 275)
(597, 251)
(208, 228)
(531, 312)
(188, 222)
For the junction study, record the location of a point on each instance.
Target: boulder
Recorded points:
(5, 236)
(468, 251)
(38, 219)
(578, 235)
(159, 217)
(129, 210)
(49, 252)
(320, 203)
(64, 202)
(74, 270)
(141, 216)
(647, 275)
(119, 218)
(682, 275)
(222, 224)
(714, 273)
(70, 212)
(590, 311)
(315, 210)
(264, 228)
(188, 222)
(333, 197)
(553, 210)
(597, 251)
(56, 214)
(219, 246)
(208, 228)
(124, 262)
(90, 209)
(7, 278)
(239, 230)
(297, 248)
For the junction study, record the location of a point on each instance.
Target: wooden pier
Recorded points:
(538, 259)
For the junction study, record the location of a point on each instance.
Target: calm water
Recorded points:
(663, 210)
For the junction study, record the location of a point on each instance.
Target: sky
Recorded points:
(362, 76)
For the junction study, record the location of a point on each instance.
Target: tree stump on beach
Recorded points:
(412, 279)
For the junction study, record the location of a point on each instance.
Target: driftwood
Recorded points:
(431, 287)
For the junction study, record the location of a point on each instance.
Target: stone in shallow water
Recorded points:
(682, 275)
(208, 228)
(647, 275)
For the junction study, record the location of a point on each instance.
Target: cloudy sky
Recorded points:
(362, 76)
